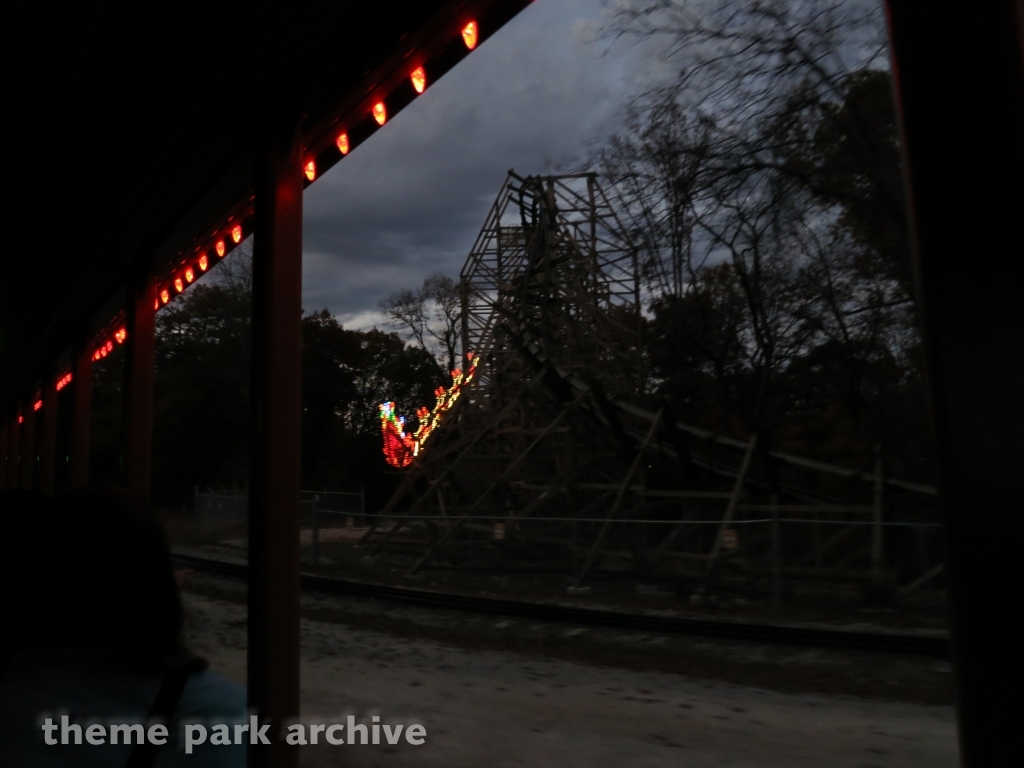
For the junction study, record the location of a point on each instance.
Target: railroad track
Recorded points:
(879, 642)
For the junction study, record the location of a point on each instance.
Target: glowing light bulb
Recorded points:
(310, 170)
(156, 304)
(189, 275)
(165, 296)
(419, 79)
(21, 419)
(380, 113)
(203, 262)
(343, 145)
(121, 334)
(469, 35)
(38, 404)
(220, 248)
(109, 346)
(179, 286)
(236, 233)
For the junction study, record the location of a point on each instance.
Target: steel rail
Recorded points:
(810, 637)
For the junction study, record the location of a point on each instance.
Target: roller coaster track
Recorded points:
(808, 637)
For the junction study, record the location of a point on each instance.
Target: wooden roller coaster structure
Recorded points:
(557, 456)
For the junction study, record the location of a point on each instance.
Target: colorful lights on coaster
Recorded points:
(400, 447)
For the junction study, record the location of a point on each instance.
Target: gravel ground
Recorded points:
(485, 705)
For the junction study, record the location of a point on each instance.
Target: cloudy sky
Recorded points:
(410, 201)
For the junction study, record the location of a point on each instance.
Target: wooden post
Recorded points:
(81, 417)
(137, 404)
(48, 438)
(734, 500)
(274, 483)
(960, 90)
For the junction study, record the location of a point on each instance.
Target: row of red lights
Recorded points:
(224, 242)
(191, 270)
(379, 111)
(107, 346)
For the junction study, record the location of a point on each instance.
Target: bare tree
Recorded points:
(763, 187)
(431, 316)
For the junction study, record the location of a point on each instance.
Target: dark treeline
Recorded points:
(201, 415)
(763, 187)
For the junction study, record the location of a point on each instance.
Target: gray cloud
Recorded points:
(411, 200)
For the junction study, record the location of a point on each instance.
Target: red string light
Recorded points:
(343, 145)
(310, 170)
(419, 79)
(121, 334)
(236, 233)
(189, 275)
(37, 405)
(63, 381)
(203, 262)
(220, 248)
(179, 286)
(469, 35)
(380, 113)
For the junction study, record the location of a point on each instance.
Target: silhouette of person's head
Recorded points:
(97, 572)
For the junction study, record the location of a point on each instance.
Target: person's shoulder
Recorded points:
(211, 696)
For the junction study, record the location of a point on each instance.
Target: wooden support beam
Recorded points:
(619, 496)
(734, 500)
(274, 481)
(496, 483)
(924, 578)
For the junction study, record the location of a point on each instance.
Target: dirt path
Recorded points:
(497, 708)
